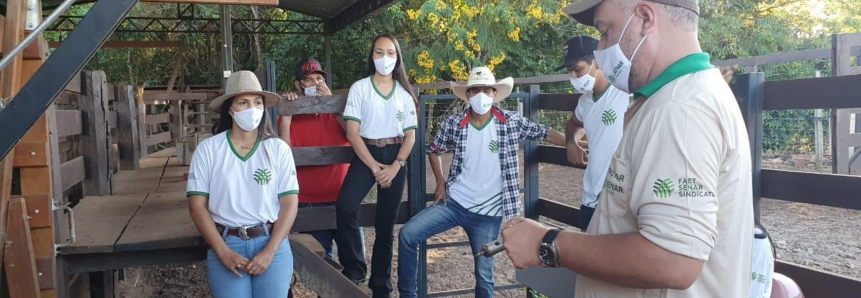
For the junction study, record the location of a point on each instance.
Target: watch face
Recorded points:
(545, 254)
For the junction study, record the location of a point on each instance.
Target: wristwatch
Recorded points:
(402, 162)
(547, 252)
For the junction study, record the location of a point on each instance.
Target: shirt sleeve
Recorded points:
(578, 111)
(674, 193)
(199, 173)
(353, 110)
(529, 130)
(410, 119)
(443, 138)
(288, 183)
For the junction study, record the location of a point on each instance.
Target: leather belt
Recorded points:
(246, 232)
(384, 142)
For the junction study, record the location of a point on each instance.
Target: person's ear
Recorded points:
(647, 12)
(298, 87)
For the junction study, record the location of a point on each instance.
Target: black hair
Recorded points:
(400, 72)
(589, 59)
(225, 122)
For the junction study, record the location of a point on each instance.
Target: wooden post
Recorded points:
(13, 32)
(177, 129)
(94, 141)
(141, 111)
(841, 65)
(127, 128)
(817, 118)
(20, 264)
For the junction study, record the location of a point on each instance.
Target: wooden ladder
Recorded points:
(27, 220)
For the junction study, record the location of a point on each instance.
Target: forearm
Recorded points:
(407, 144)
(574, 132)
(286, 218)
(436, 166)
(627, 260)
(555, 138)
(361, 149)
(205, 225)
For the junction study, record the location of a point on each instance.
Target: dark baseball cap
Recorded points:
(308, 67)
(584, 11)
(576, 48)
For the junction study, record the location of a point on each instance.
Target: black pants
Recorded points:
(356, 186)
(585, 216)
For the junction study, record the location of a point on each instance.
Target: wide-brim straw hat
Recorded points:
(244, 82)
(483, 77)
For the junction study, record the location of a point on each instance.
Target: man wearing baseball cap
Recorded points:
(322, 183)
(676, 212)
(599, 116)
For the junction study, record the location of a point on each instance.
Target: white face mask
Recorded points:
(385, 65)
(584, 83)
(481, 103)
(249, 119)
(311, 91)
(617, 67)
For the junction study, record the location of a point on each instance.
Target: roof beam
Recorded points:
(359, 11)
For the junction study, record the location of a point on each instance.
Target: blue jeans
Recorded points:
(274, 282)
(439, 218)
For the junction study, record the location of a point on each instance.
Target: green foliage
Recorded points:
(442, 39)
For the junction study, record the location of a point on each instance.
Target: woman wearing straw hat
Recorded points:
(381, 123)
(242, 192)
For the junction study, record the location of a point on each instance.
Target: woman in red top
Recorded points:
(320, 184)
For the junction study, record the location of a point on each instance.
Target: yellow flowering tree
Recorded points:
(444, 39)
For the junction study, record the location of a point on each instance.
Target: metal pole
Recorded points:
(35, 34)
(227, 42)
(817, 116)
(327, 47)
(530, 156)
(749, 93)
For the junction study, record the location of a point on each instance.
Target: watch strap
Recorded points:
(550, 236)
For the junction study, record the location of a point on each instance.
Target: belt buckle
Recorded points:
(380, 143)
(243, 232)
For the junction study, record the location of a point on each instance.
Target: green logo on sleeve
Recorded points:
(400, 116)
(609, 117)
(664, 188)
(494, 147)
(262, 176)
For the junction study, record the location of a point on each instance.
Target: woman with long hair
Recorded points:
(243, 195)
(381, 122)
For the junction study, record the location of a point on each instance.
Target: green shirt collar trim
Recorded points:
(595, 99)
(689, 64)
(250, 153)
(386, 97)
(483, 126)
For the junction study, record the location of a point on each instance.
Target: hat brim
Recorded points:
(503, 89)
(583, 11)
(269, 99)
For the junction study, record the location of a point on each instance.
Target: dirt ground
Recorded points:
(820, 237)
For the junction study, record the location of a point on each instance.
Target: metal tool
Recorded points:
(491, 248)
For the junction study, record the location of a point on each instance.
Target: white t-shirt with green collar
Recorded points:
(603, 119)
(242, 191)
(478, 188)
(380, 116)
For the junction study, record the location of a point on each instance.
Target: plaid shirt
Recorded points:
(511, 128)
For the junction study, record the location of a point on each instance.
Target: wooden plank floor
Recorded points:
(162, 222)
(100, 221)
